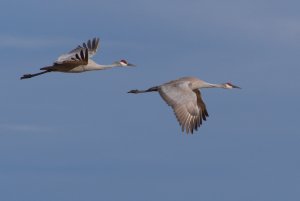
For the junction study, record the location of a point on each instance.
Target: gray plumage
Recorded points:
(78, 60)
(184, 96)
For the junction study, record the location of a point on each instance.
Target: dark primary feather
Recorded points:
(79, 59)
(201, 104)
(92, 46)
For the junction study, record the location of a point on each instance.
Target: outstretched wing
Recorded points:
(90, 45)
(201, 105)
(187, 104)
(80, 58)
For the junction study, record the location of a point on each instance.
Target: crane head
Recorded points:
(124, 63)
(228, 85)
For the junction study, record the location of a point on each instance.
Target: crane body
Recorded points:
(79, 60)
(184, 96)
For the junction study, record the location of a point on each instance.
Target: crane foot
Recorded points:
(26, 76)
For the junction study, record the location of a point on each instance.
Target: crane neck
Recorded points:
(108, 66)
(95, 66)
(210, 85)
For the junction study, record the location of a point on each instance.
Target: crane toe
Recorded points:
(26, 76)
(134, 91)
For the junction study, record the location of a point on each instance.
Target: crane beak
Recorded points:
(234, 86)
(132, 65)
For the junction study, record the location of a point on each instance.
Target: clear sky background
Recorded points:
(82, 137)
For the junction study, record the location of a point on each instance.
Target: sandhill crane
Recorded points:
(184, 97)
(78, 60)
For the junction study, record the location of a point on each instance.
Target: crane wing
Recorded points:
(80, 58)
(201, 104)
(187, 104)
(90, 45)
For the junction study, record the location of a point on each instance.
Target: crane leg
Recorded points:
(26, 76)
(136, 91)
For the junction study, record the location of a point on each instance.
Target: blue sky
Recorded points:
(82, 137)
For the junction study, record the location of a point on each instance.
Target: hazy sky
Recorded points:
(82, 137)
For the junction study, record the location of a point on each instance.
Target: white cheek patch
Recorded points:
(229, 86)
(123, 64)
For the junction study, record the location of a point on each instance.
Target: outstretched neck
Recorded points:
(223, 86)
(104, 67)
(210, 85)
(94, 66)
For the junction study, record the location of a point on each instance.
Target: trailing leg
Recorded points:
(136, 91)
(26, 76)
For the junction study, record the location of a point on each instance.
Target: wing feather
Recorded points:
(78, 60)
(186, 103)
(201, 104)
(90, 45)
